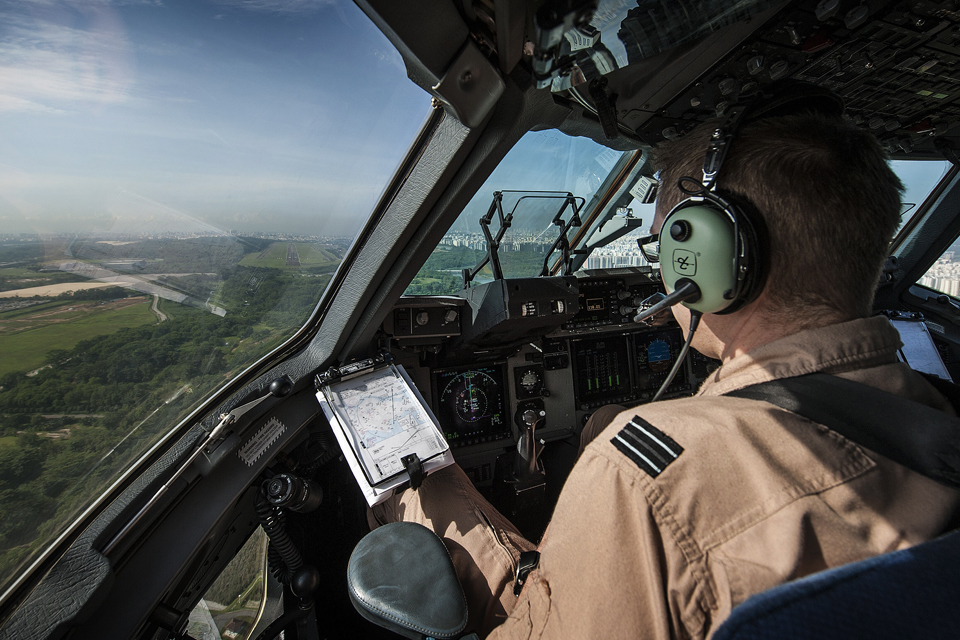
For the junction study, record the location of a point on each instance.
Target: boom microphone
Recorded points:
(686, 290)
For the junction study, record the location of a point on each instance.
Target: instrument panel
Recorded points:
(590, 356)
(626, 368)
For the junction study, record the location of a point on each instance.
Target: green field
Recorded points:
(17, 278)
(33, 309)
(17, 272)
(275, 256)
(26, 350)
(311, 256)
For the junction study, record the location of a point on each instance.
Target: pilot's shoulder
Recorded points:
(726, 440)
(658, 435)
(712, 467)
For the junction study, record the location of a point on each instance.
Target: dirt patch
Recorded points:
(54, 289)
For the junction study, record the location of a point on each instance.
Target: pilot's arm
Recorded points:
(610, 565)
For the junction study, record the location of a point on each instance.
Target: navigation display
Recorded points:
(471, 404)
(656, 352)
(602, 370)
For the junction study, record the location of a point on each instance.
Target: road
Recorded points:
(156, 309)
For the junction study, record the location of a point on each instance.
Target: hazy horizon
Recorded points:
(135, 116)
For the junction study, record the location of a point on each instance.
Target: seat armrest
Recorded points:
(400, 577)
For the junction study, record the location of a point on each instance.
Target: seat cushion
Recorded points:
(400, 577)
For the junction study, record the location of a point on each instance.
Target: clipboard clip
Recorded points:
(414, 468)
(344, 372)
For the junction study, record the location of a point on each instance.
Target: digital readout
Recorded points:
(602, 368)
(595, 304)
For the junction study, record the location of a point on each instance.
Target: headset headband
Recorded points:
(719, 145)
(778, 99)
(732, 275)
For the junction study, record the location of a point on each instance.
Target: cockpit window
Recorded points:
(178, 183)
(919, 178)
(546, 173)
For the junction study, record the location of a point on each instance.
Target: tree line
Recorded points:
(133, 384)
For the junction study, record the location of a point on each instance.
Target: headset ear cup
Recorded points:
(754, 257)
(698, 241)
(717, 242)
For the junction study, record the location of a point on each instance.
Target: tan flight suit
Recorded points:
(756, 496)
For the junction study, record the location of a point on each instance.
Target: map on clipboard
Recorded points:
(378, 418)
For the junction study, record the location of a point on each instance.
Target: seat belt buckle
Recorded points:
(529, 560)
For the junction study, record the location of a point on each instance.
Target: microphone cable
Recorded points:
(681, 357)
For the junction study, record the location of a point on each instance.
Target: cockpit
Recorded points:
(501, 270)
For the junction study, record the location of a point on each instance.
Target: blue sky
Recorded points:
(152, 116)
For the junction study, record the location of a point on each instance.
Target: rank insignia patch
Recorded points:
(650, 449)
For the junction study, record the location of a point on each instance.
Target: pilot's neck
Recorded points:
(725, 337)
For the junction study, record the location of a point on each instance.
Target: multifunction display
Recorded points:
(602, 369)
(656, 353)
(626, 367)
(471, 405)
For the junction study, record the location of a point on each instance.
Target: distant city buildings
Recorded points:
(175, 235)
(512, 241)
(944, 275)
(620, 253)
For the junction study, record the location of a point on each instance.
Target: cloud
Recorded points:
(15, 103)
(278, 6)
(54, 59)
(389, 56)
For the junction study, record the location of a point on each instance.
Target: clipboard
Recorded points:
(385, 429)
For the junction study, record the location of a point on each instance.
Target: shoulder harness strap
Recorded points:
(910, 433)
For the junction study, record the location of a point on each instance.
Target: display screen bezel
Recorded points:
(623, 350)
(491, 432)
(642, 336)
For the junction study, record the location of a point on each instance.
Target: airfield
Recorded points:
(107, 343)
(28, 335)
(59, 320)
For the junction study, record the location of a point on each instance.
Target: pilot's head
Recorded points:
(828, 200)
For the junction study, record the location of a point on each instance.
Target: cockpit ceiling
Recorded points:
(896, 64)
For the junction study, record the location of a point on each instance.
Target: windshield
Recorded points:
(545, 174)
(919, 178)
(178, 182)
(532, 184)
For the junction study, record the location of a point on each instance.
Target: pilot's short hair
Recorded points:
(827, 195)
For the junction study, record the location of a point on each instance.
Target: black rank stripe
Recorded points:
(644, 444)
(638, 458)
(648, 447)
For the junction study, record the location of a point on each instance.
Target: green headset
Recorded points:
(715, 239)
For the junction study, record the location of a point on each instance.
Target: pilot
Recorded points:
(734, 496)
